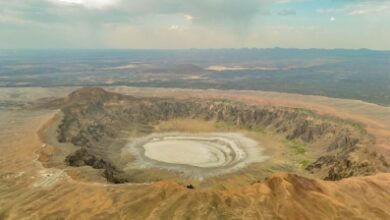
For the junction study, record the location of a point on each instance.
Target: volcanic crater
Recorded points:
(206, 142)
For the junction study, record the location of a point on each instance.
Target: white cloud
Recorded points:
(328, 10)
(370, 7)
(97, 4)
(180, 23)
(175, 27)
(188, 17)
(236, 15)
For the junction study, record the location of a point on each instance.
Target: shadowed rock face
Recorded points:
(83, 158)
(93, 118)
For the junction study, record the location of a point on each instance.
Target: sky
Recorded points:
(181, 24)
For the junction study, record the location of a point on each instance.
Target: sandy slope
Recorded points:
(29, 191)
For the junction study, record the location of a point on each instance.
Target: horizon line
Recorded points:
(184, 49)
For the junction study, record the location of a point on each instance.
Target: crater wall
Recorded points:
(94, 118)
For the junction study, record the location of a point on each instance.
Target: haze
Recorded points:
(173, 24)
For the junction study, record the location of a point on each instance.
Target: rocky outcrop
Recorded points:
(340, 167)
(82, 157)
(93, 116)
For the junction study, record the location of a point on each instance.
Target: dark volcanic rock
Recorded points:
(82, 157)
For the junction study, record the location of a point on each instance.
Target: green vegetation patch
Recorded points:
(259, 129)
(304, 163)
(297, 147)
(225, 125)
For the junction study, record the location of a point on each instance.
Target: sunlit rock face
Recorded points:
(196, 155)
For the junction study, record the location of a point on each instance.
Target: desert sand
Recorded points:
(28, 190)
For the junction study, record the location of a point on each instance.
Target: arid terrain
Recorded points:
(194, 110)
(324, 158)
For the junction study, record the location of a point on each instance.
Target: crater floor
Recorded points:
(196, 155)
